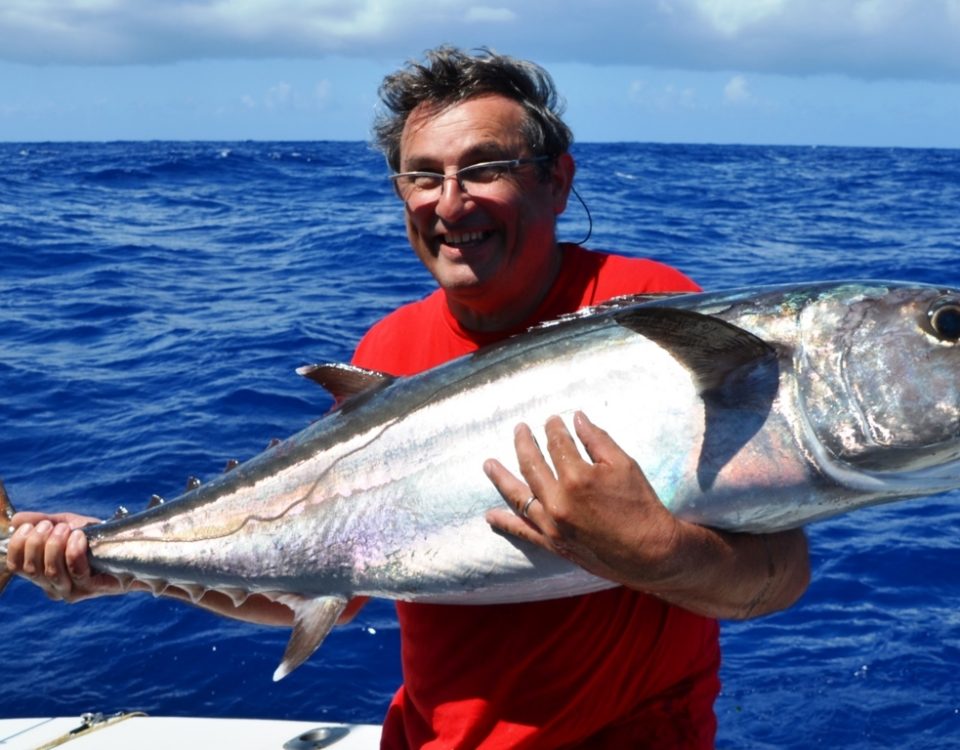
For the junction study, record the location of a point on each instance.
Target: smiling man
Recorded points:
(487, 247)
(482, 166)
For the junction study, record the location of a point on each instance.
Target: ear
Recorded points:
(561, 181)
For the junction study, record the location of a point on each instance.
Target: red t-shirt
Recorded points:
(614, 669)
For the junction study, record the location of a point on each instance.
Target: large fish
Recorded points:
(749, 410)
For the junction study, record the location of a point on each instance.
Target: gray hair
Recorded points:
(449, 76)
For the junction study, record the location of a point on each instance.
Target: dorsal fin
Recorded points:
(610, 305)
(631, 300)
(712, 349)
(343, 381)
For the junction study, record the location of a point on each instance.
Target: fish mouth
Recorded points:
(917, 461)
(908, 471)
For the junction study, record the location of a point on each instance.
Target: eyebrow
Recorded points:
(479, 152)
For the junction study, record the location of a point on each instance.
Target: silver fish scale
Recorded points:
(383, 488)
(751, 410)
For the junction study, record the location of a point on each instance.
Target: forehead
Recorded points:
(479, 127)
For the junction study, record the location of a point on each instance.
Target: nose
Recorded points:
(454, 201)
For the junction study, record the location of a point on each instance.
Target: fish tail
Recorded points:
(6, 514)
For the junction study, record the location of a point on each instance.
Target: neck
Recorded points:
(475, 313)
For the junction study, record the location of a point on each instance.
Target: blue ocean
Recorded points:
(156, 298)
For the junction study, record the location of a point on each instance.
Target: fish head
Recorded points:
(878, 374)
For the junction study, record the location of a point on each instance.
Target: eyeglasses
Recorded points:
(471, 180)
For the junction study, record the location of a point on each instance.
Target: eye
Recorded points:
(426, 180)
(944, 317)
(485, 173)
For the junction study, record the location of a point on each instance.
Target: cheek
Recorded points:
(416, 228)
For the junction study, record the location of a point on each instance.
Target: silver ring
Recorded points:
(526, 506)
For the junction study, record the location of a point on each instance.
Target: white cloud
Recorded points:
(731, 16)
(637, 91)
(484, 13)
(736, 91)
(863, 38)
(279, 96)
(669, 97)
(284, 96)
(322, 91)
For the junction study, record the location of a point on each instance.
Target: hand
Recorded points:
(51, 552)
(601, 514)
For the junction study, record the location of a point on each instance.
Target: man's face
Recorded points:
(488, 249)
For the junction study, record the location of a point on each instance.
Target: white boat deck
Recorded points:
(95, 732)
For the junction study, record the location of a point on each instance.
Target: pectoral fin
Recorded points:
(312, 620)
(733, 369)
(715, 352)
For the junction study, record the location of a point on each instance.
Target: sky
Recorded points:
(801, 72)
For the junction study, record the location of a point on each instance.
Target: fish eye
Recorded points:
(944, 318)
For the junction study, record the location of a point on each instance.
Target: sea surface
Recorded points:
(155, 299)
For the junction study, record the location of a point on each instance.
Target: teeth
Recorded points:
(460, 239)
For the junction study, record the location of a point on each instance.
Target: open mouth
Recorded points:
(464, 239)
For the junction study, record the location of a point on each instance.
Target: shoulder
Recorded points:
(648, 275)
(410, 339)
(612, 275)
(380, 344)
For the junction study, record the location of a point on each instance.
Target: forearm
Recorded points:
(734, 575)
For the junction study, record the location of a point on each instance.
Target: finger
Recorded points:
(15, 547)
(509, 522)
(560, 444)
(78, 566)
(533, 465)
(511, 489)
(603, 449)
(33, 550)
(32, 517)
(54, 565)
(600, 447)
(26, 516)
(516, 493)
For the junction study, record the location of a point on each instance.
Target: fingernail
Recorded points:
(44, 526)
(23, 529)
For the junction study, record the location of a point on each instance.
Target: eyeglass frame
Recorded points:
(507, 164)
